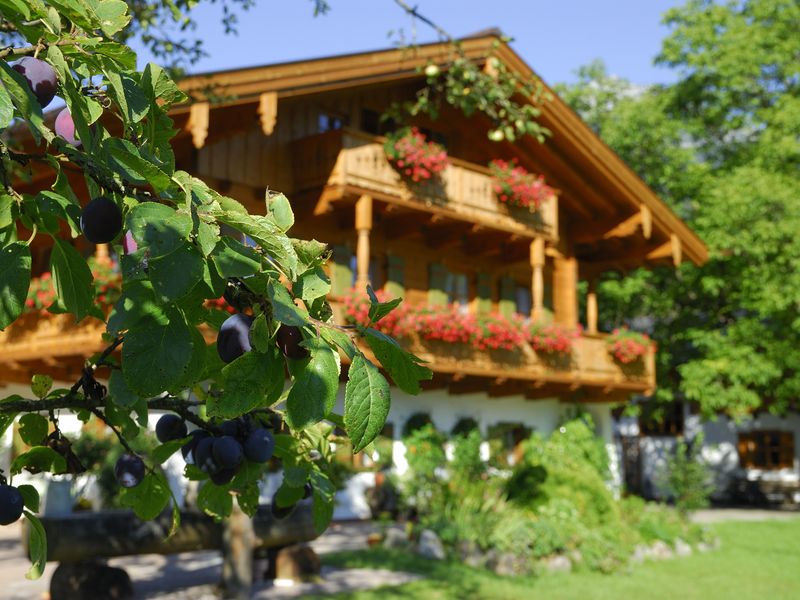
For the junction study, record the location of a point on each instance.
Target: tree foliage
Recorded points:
(721, 146)
(185, 244)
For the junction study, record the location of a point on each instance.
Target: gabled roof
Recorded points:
(616, 195)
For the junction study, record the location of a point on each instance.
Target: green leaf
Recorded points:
(164, 451)
(39, 459)
(281, 211)
(265, 232)
(215, 500)
(248, 499)
(137, 302)
(149, 498)
(37, 546)
(72, 279)
(159, 228)
(41, 385)
(313, 392)
(33, 429)
(112, 15)
(323, 500)
(234, 259)
(287, 495)
(402, 366)
(175, 274)
(251, 381)
(30, 496)
(127, 160)
(339, 338)
(260, 336)
(378, 310)
(312, 284)
(295, 476)
(155, 356)
(366, 402)
(6, 108)
(132, 101)
(119, 391)
(15, 279)
(24, 101)
(284, 309)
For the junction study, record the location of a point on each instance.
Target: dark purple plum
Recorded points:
(279, 512)
(101, 220)
(259, 445)
(65, 128)
(170, 427)
(223, 476)
(41, 78)
(11, 504)
(203, 457)
(188, 448)
(234, 337)
(227, 452)
(289, 339)
(129, 470)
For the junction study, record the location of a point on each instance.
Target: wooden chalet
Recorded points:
(312, 130)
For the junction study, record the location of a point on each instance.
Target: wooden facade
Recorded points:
(311, 130)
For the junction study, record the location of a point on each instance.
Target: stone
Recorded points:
(558, 563)
(640, 553)
(682, 549)
(660, 551)
(506, 564)
(430, 546)
(471, 555)
(395, 539)
(297, 563)
(83, 580)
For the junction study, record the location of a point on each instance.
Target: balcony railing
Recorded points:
(40, 336)
(347, 158)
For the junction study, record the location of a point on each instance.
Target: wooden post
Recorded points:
(565, 293)
(537, 280)
(591, 307)
(238, 540)
(363, 227)
(101, 254)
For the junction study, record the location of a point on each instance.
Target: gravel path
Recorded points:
(715, 515)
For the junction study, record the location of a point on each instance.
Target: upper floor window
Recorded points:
(523, 300)
(372, 122)
(457, 288)
(376, 272)
(766, 449)
(329, 122)
(667, 420)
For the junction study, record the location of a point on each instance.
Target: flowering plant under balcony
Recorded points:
(628, 346)
(515, 186)
(553, 338)
(413, 155)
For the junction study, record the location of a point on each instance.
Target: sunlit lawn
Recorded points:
(757, 560)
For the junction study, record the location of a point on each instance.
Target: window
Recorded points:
(523, 299)
(371, 122)
(662, 419)
(329, 122)
(457, 288)
(376, 272)
(767, 450)
(505, 442)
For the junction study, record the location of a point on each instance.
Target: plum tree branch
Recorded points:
(31, 50)
(70, 402)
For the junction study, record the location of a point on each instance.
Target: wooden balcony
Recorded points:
(353, 163)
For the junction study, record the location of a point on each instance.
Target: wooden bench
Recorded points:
(81, 541)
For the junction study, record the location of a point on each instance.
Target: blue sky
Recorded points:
(554, 37)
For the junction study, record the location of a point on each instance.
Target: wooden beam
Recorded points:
(198, 123)
(594, 231)
(444, 234)
(363, 227)
(467, 385)
(403, 225)
(268, 111)
(647, 221)
(677, 249)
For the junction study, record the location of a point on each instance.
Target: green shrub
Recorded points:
(686, 478)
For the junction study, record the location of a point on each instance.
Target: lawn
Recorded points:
(756, 560)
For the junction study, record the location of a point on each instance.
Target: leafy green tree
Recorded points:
(181, 244)
(721, 146)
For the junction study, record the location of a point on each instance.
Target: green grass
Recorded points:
(757, 560)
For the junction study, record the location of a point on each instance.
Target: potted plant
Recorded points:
(552, 338)
(515, 186)
(414, 157)
(627, 346)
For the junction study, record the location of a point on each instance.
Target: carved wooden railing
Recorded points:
(43, 336)
(352, 159)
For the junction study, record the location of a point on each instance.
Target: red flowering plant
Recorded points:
(553, 338)
(628, 346)
(515, 186)
(500, 333)
(107, 287)
(413, 155)
(356, 308)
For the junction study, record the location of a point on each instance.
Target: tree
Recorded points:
(182, 244)
(721, 146)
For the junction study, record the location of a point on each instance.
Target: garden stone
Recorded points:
(558, 563)
(490, 559)
(90, 579)
(660, 551)
(640, 553)
(505, 564)
(682, 548)
(395, 539)
(430, 546)
(471, 555)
